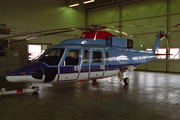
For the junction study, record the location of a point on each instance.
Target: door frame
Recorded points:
(75, 66)
(90, 62)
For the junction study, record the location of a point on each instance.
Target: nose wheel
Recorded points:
(35, 88)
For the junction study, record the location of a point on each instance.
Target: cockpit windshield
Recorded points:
(52, 57)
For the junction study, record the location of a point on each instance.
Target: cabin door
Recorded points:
(70, 65)
(96, 68)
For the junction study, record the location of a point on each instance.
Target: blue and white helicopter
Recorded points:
(96, 54)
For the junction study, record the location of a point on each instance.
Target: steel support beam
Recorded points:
(167, 29)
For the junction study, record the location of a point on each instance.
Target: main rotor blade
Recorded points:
(178, 25)
(33, 37)
(140, 26)
(124, 33)
(48, 34)
(40, 32)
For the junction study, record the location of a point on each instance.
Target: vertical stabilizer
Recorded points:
(158, 40)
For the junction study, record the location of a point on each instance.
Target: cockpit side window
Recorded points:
(52, 57)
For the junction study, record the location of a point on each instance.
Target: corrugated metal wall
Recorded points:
(149, 12)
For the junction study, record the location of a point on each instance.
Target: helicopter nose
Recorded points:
(32, 72)
(16, 78)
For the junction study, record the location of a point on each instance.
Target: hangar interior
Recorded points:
(156, 95)
(150, 13)
(38, 16)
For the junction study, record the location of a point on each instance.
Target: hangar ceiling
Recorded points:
(105, 3)
(102, 3)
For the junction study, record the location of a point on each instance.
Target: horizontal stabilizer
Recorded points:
(163, 54)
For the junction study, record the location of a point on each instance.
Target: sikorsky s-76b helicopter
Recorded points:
(96, 54)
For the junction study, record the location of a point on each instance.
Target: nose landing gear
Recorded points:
(35, 88)
(26, 90)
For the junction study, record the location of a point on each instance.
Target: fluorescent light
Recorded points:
(73, 5)
(89, 1)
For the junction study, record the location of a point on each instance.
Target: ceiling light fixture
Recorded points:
(73, 5)
(89, 1)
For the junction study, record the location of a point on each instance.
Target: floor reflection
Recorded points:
(155, 86)
(149, 95)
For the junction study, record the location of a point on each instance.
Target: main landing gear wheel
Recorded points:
(126, 81)
(121, 76)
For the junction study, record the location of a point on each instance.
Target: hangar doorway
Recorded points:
(35, 50)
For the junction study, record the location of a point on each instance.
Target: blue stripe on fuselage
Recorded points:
(68, 70)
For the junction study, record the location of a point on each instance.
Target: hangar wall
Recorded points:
(33, 15)
(36, 15)
(151, 13)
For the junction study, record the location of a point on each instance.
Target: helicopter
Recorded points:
(96, 54)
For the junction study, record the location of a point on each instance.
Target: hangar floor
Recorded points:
(149, 96)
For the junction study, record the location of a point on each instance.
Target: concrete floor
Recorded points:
(149, 96)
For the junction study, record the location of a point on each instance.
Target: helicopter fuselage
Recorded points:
(87, 58)
(69, 62)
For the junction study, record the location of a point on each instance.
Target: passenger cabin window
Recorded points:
(107, 56)
(52, 57)
(86, 56)
(72, 57)
(97, 56)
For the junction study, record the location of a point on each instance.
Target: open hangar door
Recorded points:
(161, 15)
